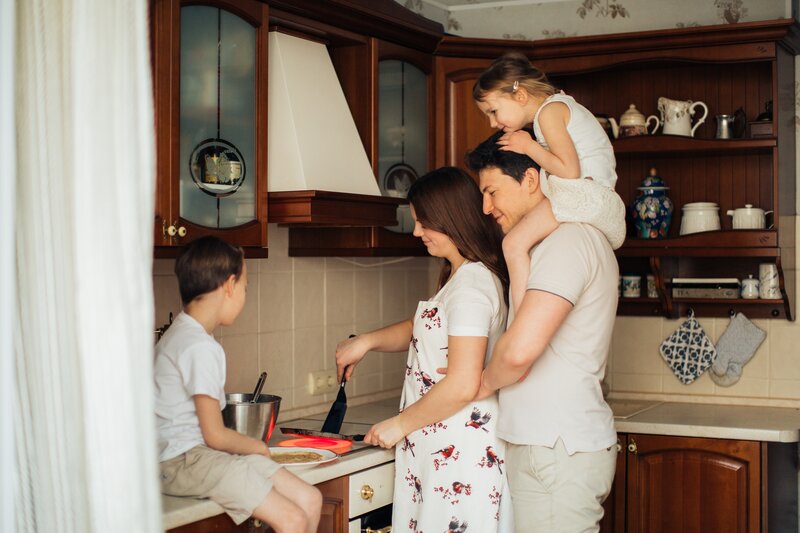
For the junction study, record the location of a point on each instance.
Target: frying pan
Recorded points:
(322, 434)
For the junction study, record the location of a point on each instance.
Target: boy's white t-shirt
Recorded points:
(189, 361)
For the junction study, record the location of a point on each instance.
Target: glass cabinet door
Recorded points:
(402, 126)
(217, 118)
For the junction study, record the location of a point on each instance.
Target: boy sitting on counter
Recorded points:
(199, 457)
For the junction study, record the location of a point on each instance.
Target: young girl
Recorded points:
(449, 461)
(578, 166)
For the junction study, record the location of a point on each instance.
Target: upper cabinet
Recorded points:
(743, 67)
(210, 89)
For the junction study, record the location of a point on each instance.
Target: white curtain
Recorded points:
(7, 301)
(85, 436)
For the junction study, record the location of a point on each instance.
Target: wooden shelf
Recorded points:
(722, 307)
(325, 208)
(725, 243)
(353, 242)
(678, 144)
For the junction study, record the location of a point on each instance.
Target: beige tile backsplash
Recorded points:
(298, 309)
(772, 377)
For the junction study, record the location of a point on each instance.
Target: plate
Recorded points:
(398, 179)
(276, 452)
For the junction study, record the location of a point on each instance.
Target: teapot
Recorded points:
(677, 116)
(609, 125)
(633, 123)
(748, 217)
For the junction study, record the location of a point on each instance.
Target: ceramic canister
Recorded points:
(652, 210)
(699, 216)
(769, 286)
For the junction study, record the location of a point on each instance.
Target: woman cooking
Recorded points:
(449, 463)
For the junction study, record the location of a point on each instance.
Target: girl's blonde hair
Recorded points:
(508, 73)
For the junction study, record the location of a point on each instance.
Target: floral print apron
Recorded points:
(450, 476)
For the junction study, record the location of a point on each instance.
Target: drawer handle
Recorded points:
(387, 529)
(632, 447)
(367, 492)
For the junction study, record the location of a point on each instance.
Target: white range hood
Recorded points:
(313, 140)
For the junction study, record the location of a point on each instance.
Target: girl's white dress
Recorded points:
(592, 201)
(450, 476)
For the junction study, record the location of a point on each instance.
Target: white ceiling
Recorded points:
(463, 5)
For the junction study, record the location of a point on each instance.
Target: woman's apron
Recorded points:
(450, 475)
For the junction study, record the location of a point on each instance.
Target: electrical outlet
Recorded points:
(322, 381)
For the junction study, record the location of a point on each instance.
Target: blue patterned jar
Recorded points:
(652, 209)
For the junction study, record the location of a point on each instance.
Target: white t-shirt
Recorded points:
(474, 305)
(561, 397)
(188, 362)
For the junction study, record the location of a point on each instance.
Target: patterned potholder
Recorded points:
(688, 351)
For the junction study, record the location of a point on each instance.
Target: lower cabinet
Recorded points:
(688, 484)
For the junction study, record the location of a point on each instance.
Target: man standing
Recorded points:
(549, 363)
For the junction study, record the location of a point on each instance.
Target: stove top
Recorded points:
(348, 428)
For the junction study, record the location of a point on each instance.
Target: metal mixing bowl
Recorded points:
(255, 420)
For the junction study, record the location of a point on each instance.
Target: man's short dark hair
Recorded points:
(205, 264)
(488, 155)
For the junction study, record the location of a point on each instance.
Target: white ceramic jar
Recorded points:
(699, 216)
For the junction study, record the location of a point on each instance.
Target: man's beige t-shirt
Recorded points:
(561, 397)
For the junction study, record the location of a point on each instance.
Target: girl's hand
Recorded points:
(516, 141)
(385, 434)
(348, 354)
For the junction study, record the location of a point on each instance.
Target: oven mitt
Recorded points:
(735, 347)
(688, 351)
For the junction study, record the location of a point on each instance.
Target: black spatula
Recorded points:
(333, 422)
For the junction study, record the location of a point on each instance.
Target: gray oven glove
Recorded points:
(735, 347)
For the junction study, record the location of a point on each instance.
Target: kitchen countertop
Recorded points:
(180, 511)
(772, 424)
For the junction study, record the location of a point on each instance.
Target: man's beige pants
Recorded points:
(554, 492)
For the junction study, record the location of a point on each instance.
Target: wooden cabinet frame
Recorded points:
(166, 24)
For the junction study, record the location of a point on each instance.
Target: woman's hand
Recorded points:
(385, 434)
(348, 354)
(516, 141)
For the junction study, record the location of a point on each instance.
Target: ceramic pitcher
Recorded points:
(676, 115)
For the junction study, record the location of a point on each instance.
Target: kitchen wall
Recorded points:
(298, 309)
(636, 369)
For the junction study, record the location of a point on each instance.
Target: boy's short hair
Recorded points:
(488, 155)
(205, 264)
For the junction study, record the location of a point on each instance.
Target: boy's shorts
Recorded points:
(239, 483)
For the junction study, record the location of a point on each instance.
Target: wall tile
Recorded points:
(333, 336)
(309, 299)
(279, 260)
(671, 384)
(637, 382)
(167, 298)
(746, 387)
(339, 297)
(784, 388)
(276, 356)
(393, 300)
(367, 295)
(783, 341)
(276, 301)
(241, 355)
(635, 346)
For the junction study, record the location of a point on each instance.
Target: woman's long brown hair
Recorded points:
(447, 200)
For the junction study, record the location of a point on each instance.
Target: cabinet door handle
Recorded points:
(181, 232)
(171, 230)
(632, 447)
(367, 492)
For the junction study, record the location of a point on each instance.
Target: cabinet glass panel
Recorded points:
(402, 126)
(217, 118)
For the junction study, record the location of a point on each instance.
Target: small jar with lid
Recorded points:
(750, 288)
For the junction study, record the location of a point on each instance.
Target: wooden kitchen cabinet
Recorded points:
(685, 484)
(222, 524)
(725, 66)
(210, 96)
(335, 500)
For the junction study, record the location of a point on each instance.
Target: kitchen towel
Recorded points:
(735, 347)
(688, 351)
